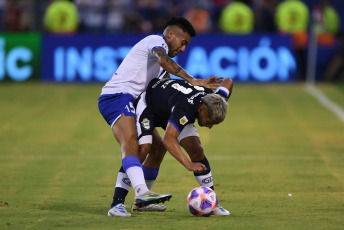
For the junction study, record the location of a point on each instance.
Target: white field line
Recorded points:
(327, 103)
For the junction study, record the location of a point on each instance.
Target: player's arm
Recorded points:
(167, 75)
(171, 144)
(226, 88)
(172, 67)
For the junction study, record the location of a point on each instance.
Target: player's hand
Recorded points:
(196, 167)
(211, 82)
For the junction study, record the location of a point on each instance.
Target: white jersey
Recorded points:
(138, 68)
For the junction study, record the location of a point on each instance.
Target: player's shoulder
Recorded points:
(153, 42)
(181, 81)
(167, 81)
(155, 37)
(151, 38)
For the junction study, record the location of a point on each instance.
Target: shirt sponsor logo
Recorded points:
(207, 180)
(166, 84)
(191, 99)
(145, 124)
(126, 181)
(183, 120)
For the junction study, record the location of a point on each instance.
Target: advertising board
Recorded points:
(257, 58)
(20, 56)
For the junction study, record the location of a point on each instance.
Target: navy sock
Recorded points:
(119, 194)
(206, 163)
(150, 173)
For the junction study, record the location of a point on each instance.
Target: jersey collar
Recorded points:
(162, 36)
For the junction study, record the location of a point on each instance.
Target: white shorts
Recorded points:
(145, 124)
(189, 131)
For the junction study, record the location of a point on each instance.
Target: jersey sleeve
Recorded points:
(157, 42)
(180, 118)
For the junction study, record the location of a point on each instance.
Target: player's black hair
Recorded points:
(183, 23)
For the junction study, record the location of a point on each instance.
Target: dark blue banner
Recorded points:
(259, 58)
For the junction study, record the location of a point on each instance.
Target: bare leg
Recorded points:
(193, 147)
(152, 163)
(156, 152)
(124, 130)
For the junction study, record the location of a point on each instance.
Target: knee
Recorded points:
(130, 146)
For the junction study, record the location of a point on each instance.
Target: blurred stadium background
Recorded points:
(251, 40)
(58, 159)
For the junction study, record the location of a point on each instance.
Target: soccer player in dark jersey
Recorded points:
(175, 105)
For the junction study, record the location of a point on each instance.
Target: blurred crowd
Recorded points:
(207, 16)
(146, 16)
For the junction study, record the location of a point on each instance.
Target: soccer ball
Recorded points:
(202, 201)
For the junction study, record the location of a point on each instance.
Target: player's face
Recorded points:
(203, 117)
(177, 40)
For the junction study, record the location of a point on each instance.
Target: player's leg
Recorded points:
(130, 169)
(158, 151)
(151, 168)
(145, 128)
(124, 131)
(123, 182)
(116, 110)
(191, 142)
(154, 158)
(152, 163)
(119, 112)
(150, 173)
(192, 145)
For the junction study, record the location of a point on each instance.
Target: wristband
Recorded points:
(224, 90)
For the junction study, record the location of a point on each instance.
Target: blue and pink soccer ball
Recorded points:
(202, 201)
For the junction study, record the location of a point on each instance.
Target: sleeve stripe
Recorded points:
(162, 74)
(155, 47)
(174, 125)
(224, 90)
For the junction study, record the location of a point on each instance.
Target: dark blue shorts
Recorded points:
(111, 106)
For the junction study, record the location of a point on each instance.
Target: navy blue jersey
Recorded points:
(174, 101)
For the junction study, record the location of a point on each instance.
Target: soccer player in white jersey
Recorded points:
(149, 58)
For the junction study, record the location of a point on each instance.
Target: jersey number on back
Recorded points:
(184, 90)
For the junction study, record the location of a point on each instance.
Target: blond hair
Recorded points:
(217, 107)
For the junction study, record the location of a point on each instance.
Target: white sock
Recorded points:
(149, 184)
(137, 179)
(205, 180)
(123, 181)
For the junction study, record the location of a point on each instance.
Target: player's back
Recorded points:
(166, 94)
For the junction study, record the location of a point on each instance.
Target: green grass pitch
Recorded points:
(58, 162)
